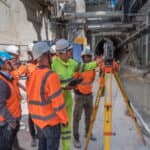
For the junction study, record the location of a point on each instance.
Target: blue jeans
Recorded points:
(49, 138)
(5, 144)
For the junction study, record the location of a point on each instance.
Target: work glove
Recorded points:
(75, 81)
(8, 132)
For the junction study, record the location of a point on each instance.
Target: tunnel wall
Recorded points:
(23, 21)
(101, 40)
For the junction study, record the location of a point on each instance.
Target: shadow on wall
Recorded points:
(35, 15)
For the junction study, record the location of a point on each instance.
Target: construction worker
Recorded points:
(83, 98)
(45, 100)
(10, 109)
(16, 73)
(66, 67)
(31, 66)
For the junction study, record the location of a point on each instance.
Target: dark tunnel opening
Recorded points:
(116, 41)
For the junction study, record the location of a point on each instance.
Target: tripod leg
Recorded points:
(108, 111)
(94, 113)
(129, 107)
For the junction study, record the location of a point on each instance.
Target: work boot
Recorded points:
(77, 143)
(92, 138)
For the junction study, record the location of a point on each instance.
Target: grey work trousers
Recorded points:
(82, 102)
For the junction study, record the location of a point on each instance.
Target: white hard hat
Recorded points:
(53, 49)
(62, 45)
(12, 49)
(30, 47)
(86, 51)
(39, 49)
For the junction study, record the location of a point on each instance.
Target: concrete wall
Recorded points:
(138, 90)
(23, 21)
(143, 43)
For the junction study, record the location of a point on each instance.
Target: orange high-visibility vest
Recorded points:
(85, 87)
(13, 102)
(45, 99)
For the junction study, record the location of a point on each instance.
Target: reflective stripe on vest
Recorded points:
(55, 94)
(51, 116)
(43, 85)
(80, 67)
(46, 102)
(60, 107)
(66, 80)
(66, 132)
(83, 68)
(66, 135)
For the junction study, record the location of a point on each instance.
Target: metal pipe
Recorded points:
(93, 42)
(110, 26)
(110, 34)
(147, 44)
(99, 14)
(93, 14)
(145, 30)
(7, 44)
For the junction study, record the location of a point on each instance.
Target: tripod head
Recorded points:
(109, 66)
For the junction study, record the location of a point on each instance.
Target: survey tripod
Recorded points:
(109, 71)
